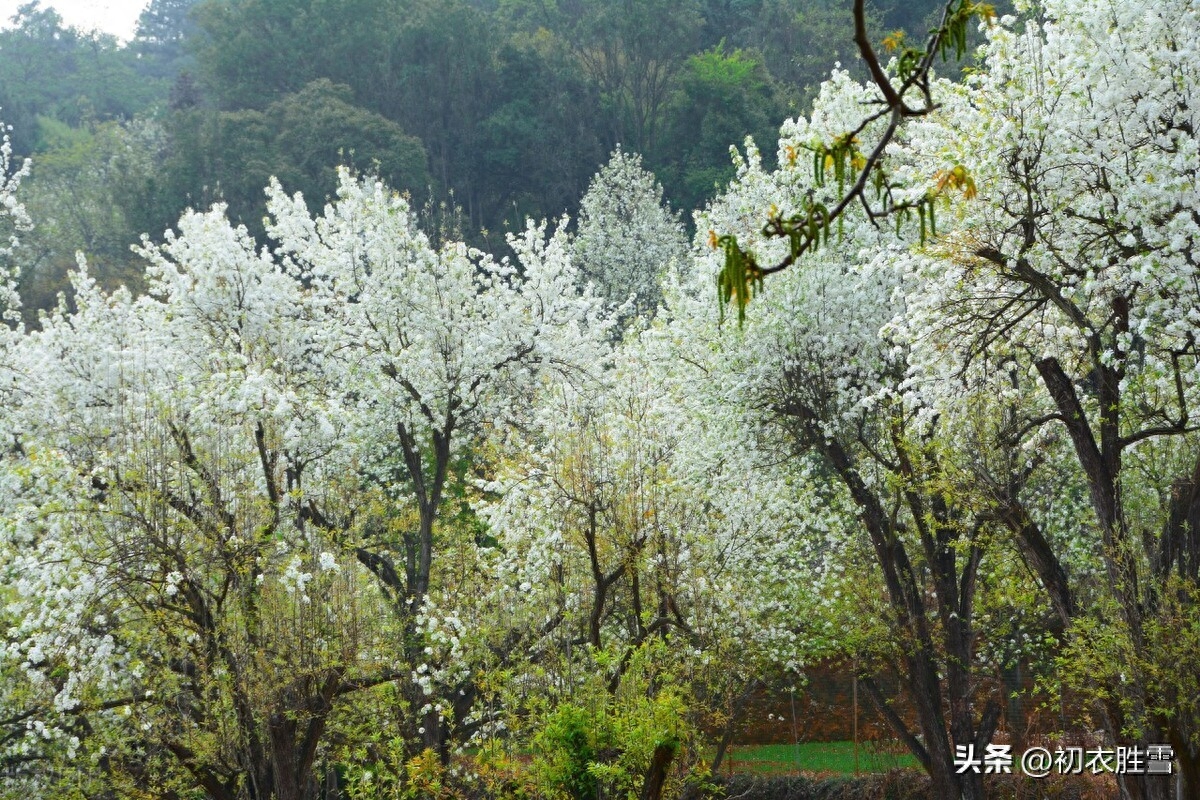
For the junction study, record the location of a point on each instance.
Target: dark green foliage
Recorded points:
(48, 70)
(568, 744)
(539, 146)
(319, 128)
(185, 93)
(88, 193)
(252, 52)
(633, 51)
(723, 97)
(799, 42)
(725, 18)
(444, 87)
(160, 45)
(302, 138)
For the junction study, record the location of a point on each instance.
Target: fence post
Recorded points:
(854, 691)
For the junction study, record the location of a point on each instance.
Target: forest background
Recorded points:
(485, 113)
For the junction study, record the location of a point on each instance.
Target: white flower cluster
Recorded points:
(13, 220)
(295, 580)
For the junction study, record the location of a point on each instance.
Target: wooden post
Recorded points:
(855, 695)
(795, 730)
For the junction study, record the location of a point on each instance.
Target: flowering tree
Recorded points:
(628, 237)
(1078, 270)
(1063, 280)
(13, 218)
(164, 619)
(666, 572)
(438, 348)
(827, 390)
(207, 495)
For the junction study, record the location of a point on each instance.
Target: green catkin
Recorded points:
(739, 276)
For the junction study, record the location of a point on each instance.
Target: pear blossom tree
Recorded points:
(437, 350)
(827, 389)
(596, 521)
(206, 495)
(1076, 266)
(627, 235)
(13, 218)
(661, 565)
(1061, 276)
(177, 621)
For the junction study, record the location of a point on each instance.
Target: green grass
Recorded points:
(815, 757)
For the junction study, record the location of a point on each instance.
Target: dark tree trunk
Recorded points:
(1177, 555)
(656, 775)
(937, 672)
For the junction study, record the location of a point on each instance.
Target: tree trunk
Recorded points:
(1147, 787)
(656, 775)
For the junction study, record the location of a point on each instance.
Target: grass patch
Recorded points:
(815, 757)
